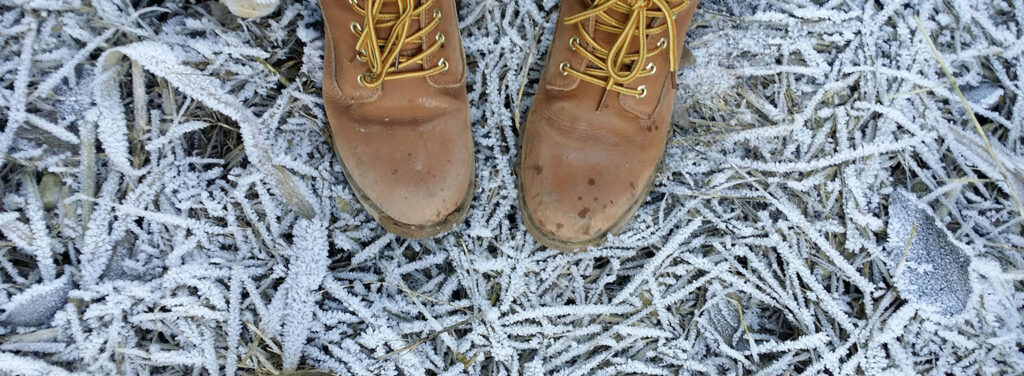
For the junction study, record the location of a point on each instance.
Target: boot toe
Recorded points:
(580, 214)
(578, 197)
(416, 196)
(421, 179)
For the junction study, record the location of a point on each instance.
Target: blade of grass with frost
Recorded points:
(808, 342)
(18, 98)
(174, 133)
(372, 250)
(35, 347)
(87, 165)
(52, 80)
(96, 246)
(844, 157)
(233, 326)
(43, 246)
(54, 129)
(42, 335)
(973, 118)
(198, 226)
(160, 60)
(669, 249)
(976, 151)
(111, 128)
(307, 269)
(18, 233)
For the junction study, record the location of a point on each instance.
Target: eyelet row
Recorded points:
(574, 43)
(441, 63)
(358, 29)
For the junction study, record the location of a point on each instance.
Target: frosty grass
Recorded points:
(827, 206)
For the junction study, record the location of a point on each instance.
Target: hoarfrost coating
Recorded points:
(169, 203)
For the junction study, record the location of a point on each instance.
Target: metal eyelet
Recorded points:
(355, 27)
(651, 67)
(574, 42)
(437, 13)
(662, 43)
(353, 2)
(439, 38)
(564, 67)
(362, 82)
(443, 63)
(643, 91)
(361, 56)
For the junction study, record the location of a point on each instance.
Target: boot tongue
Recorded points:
(607, 39)
(411, 47)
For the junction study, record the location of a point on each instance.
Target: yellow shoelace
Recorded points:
(613, 68)
(384, 56)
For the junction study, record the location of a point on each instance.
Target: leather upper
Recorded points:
(406, 145)
(584, 170)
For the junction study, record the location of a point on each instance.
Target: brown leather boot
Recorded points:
(601, 118)
(395, 90)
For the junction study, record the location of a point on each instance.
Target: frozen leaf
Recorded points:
(723, 317)
(16, 365)
(49, 190)
(985, 96)
(928, 265)
(36, 305)
(251, 8)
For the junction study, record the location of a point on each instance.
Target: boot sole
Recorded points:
(554, 242)
(400, 228)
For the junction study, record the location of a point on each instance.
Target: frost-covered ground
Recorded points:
(169, 204)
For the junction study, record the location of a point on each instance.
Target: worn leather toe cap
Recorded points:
(577, 192)
(419, 175)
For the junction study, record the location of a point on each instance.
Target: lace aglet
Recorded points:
(604, 97)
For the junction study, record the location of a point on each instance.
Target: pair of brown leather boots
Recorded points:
(395, 90)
